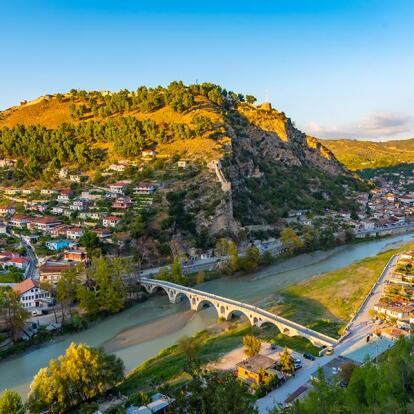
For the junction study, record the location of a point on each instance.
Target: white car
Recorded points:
(37, 312)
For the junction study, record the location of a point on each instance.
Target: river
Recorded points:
(144, 329)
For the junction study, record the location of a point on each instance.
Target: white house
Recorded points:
(144, 188)
(6, 210)
(44, 224)
(57, 210)
(117, 167)
(110, 221)
(74, 233)
(64, 196)
(119, 187)
(31, 295)
(19, 221)
(18, 262)
(47, 191)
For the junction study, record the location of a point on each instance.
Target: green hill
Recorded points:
(361, 155)
(265, 166)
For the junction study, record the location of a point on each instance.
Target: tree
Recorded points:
(176, 272)
(15, 315)
(105, 287)
(91, 242)
(88, 300)
(251, 259)
(290, 240)
(267, 258)
(250, 99)
(214, 393)
(252, 345)
(200, 277)
(66, 289)
(222, 246)
(11, 403)
(82, 373)
(190, 347)
(346, 372)
(286, 362)
(233, 257)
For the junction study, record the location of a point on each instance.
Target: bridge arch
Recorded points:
(207, 303)
(182, 297)
(154, 289)
(242, 312)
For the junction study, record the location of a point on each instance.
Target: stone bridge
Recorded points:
(226, 308)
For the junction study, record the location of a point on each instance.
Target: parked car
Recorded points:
(309, 356)
(329, 351)
(36, 312)
(297, 363)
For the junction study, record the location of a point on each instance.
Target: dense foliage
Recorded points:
(381, 388)
(214, 393)
(79, 375)
(11, 403)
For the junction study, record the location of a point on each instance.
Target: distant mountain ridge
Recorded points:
(360, 155)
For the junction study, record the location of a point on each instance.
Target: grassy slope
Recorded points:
(334, 296)
(366, 154)
(51, 113)
(168, 366)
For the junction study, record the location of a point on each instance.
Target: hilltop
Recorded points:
(361, 155)
(248, 165)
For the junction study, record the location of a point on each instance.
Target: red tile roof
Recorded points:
(26, 285)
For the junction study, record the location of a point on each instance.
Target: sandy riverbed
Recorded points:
(148, 332)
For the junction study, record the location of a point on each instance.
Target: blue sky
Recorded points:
(342, 68)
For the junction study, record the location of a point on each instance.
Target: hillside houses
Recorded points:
(396, 305)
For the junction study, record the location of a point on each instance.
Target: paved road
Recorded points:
(32, 273)
(360, 328)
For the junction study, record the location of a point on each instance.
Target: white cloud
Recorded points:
(380, 126)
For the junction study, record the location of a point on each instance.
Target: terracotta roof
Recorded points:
(112, 218)
(17, 217)
(18, 260)
(26, 285)
(45, 220)
(53, 268)
(9, 254)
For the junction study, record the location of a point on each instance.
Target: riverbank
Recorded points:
(334, 296)
(265, 283)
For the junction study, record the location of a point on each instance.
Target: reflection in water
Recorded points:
(145, 320)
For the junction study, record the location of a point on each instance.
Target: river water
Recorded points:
(156, 324)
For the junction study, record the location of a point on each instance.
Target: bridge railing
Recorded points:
(241, 305)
